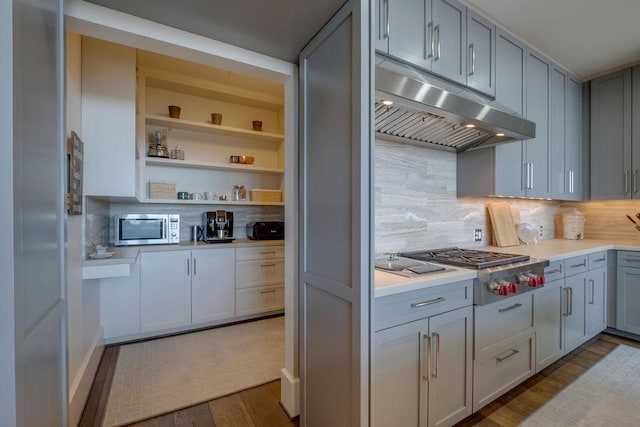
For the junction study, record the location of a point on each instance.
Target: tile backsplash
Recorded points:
(416, 205)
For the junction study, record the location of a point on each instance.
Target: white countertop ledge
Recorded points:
(391, 284)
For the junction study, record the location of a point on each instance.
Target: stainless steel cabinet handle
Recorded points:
(532, 185)
(593, 291)
(267, 265)
(194, 267)
(513, 353)
(635, 181)
(631, 259)
(571, 184)
(432, 44)
(626, 180)
(268, 292)
(582, 264)
(427, 372)
(431, 301)
(472, 52)
(268, 252)
(566, 302)
(437, 337)
(554, 271)
(385, 35)
(188, 268)
(511, 307)
(436, 30)
(570, 301)
(599, 260)
(524, 182)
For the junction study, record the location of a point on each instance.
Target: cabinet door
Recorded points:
(537, 149)
(510, 95)
(408, 34)
(558, 132)
(574, 328)
(108, 118)
(449, 32)
(611, 136)
(548, 310)
(627, 297)
(573, 140)
(213, 285)
(399, 384)
(481, 50)
(596, 302)
(635, 131)
(450, 384)
(165, 290)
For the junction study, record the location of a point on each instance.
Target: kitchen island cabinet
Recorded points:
(422, 368)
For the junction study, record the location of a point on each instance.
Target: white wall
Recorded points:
(83, 297)
(7, 327)
(416, 205)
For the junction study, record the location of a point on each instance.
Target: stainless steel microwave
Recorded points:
(146, 229)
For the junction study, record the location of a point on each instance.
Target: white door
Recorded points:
(335, 220)
(213, 287)
(32, 275)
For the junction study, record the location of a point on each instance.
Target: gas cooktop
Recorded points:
(467, 258)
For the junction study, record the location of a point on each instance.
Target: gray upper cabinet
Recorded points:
(558, 99)
(635, 132)
(449, 35)
(611, 163)
(536, 174)
(481, 51)
(573, 140)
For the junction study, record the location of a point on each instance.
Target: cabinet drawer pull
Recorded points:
(599, 260)
(267, 265)
(431, 301)
(268, 292)
(511, 307)
(554, 271)
(513, 353)
(582, 264)
(267, 252)
(631, 259)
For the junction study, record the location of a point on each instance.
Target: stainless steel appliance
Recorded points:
(265, 230)
(415, 107)
(499, 275)
(146, 229)
(217, 226)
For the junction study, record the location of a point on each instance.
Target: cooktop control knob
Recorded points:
(513, 288)
(504, 290)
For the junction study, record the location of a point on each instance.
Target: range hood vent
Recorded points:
(431, 112)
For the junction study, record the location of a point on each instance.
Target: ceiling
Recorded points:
(588, 37)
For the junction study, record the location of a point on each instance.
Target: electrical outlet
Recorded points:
(541, 231)
(477, 235)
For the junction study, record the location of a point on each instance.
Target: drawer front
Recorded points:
(502, 370)
(257, 273)
(262, 299)
(599, 259)
(501, 320)
(408, 306)
(554, 271)
(259, 252)
(576, 265)
(629, 259)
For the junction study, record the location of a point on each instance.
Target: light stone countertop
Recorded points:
(550, 249)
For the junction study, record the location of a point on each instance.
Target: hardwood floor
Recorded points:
(514, 406)
(259, 406)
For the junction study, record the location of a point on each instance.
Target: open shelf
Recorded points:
(231, 167)
(212, 202)
(189, 125)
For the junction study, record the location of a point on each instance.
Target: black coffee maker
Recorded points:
(217, 226)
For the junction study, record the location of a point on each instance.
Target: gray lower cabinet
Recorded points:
(628, 292)
(548, 318)
(574, 315)
(422, 371)
(611, 142)
(596, 302)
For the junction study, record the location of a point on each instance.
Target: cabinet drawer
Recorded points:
(629, 259)
(599, 259)
(502, 370)
(554, 271)
(401, 308)
(501, 320)
(258, 300)
(256, 273)
(259, 252)
(575, 265)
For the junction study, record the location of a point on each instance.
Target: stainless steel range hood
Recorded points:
(431, 112)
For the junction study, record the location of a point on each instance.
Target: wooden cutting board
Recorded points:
(504, 229)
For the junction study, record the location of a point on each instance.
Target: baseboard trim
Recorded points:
(81, 386)
(290, 391)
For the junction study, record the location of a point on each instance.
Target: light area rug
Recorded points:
(608, 394)
(167, 374)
